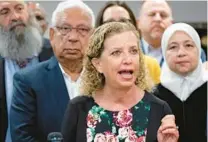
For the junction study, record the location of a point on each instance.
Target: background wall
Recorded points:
(192, 12)
(186, 11)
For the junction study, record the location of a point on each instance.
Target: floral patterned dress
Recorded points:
(118, 126)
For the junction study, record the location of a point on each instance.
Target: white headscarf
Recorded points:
(181, 86)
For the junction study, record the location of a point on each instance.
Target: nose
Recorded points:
(158, 17)
(181, 52)
(73, 36)
(127, 59)
(15, 16)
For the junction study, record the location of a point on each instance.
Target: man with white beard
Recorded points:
(20, 47)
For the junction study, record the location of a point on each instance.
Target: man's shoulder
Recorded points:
(34, 71)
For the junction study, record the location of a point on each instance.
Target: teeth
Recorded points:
(130, 72)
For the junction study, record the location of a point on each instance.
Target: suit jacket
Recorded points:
(40, 98)
(74, 128)
(44, 55)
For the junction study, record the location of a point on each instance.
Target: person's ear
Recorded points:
(51, 36)
(97, 64)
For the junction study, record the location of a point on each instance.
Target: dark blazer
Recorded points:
(44, 55)
(74, 123)
(39, 101)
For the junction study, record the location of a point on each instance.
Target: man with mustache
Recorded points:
(41, 93)
(20, 47)
(154, 17)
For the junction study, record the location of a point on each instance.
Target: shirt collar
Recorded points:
(148, 48)
(65, 74)
(145, 46)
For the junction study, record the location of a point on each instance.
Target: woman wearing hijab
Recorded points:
(183, 85)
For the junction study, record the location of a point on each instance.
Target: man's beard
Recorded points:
(18, 44)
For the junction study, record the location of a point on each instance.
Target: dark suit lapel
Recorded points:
(58, 88)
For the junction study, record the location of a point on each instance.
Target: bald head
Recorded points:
(147, 3)
(154, 17)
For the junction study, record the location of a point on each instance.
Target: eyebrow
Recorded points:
(119, 48)
(172, 43)
(80, 25)
(115, 48)
(189, 41)
(184, 41)
(19, 5)
(119, 20)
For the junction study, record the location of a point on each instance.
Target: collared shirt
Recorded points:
(153, 52)
(10, 68)
(73, 87)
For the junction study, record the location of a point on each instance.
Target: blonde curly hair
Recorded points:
(92, 80)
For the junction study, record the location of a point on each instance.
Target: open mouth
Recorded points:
(126, 72)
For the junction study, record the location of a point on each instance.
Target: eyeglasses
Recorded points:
(83, 31)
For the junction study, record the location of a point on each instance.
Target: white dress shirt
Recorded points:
(73, 87)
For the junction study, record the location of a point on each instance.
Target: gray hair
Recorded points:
(17, 45)
(70, 4)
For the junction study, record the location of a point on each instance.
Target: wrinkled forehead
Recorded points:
(13, 3)
(74, 16)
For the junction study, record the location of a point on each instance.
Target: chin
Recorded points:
(157, 35)
(127, 84)
(73, 57)
(183, 72)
